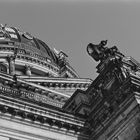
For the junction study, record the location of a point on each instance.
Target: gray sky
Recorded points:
(69, 25)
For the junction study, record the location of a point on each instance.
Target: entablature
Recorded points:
(47, 117)
(61, 83)
(15, 87)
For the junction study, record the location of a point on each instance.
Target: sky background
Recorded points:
(70, 25)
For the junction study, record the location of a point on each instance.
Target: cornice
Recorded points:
(31, 92)
(46, 117)
(60, 83)
(59, 79)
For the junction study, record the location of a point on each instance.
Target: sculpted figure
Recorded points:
(100, 52)
(96, 51)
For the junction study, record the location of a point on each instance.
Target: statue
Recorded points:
(99, 52)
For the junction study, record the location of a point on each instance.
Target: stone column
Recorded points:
(11, 62)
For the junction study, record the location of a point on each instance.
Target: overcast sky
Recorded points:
(69, 25)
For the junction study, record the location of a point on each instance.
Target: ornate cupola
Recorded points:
(20, 49)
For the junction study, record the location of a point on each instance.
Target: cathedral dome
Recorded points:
(35, 53)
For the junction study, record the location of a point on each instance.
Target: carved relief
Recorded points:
(28, 70)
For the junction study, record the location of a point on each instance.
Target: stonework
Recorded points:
(35, 83)
(111, 102)
(43, 98)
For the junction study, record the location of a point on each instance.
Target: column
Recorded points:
(11, 61)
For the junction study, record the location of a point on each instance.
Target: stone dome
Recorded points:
(34, 50)
(38, 45)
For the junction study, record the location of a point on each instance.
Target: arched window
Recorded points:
(3, 68)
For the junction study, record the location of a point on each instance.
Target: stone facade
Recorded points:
(111, 103)
(43, 98)
(35, 82)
